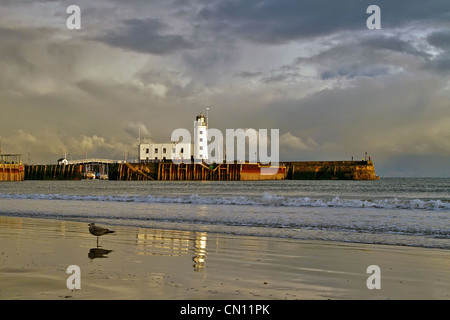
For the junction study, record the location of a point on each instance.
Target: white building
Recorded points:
(63, 161)
(200, 138)
(148, 152)
(164, 151)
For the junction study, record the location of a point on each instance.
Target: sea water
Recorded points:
(391, 211)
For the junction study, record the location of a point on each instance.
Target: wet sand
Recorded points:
(153, 264)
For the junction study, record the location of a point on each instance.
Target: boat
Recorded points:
(89, 175)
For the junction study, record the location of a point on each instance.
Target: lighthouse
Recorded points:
(200, 138)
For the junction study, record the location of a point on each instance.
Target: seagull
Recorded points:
(98, 231)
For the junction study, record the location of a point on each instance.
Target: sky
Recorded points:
(334, 88)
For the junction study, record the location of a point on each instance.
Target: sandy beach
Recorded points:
(137, 263)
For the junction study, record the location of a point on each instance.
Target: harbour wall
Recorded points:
(331, 170)
(168, 171)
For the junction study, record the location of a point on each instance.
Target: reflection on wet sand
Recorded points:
(18, 223)
(148, 241)
(199, 257)
(173, 243)
(98, 253)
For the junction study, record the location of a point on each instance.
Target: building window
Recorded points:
(156, 150)
(201, 147)
(174, 150)
(182, 150)
(201, 139)
(164, 150)
(147, 150)
(201, 131)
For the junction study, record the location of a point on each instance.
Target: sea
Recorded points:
(390, 211)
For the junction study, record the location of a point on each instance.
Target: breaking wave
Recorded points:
(266, 199)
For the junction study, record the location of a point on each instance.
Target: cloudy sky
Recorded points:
(311, 69)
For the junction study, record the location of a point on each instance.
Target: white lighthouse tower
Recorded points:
(200, 138)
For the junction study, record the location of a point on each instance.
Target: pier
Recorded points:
(169, 171)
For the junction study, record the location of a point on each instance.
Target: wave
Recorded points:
(266, 199)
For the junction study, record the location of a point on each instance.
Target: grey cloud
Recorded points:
(372, 112)
(356, 71)
(280, 21)
(441, 63)
(27, 61)
(401, 12)
(209, 64)
(248, 74)
(391, 43)
(440, 39)
(16, 2)
(146, 35)
(276, 78)
(272, 21)
(137, 129)
(368, 56)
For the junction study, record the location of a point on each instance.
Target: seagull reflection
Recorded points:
(98, 253)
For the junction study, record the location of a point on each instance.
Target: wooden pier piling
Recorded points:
(169, 171)
(11, 167)
(11, 172)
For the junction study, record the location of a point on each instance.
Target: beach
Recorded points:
(162, 264)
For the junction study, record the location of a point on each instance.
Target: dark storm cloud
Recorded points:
(146, 35)
(15, 2)
(11, 49)
(248, 74)
(349, 73)
(280, 21)
(441, 64)
(217, 26)
(440, 39)
(277, 21)
(391, 43)
(366, 55)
